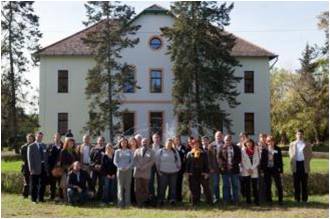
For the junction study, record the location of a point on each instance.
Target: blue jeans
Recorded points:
(109, 190)
(74, 197)
(214, 184)
(230, 187)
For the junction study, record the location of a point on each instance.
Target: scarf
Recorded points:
(196, 152)
(250, 151)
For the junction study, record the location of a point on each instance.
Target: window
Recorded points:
(249, 82)
(155, 42)
(130, 80)
(156, 123)
(155, 81)
(62, 123)
(128, 123)
(249, 123)
(62, 83)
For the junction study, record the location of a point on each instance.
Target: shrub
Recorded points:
(318, 184)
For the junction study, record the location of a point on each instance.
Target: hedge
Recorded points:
(318, 184)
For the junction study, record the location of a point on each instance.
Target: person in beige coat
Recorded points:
(300, 153)
(249, 170)
(144, 159)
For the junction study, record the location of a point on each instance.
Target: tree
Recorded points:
(20, 36)
(105, 81)
(202, 64)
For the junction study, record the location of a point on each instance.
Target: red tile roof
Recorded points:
(73, 45)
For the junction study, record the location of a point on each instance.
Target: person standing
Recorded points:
(156, 145)
(229, 158)
(124, 161)
(168, 164)
(96, 154)
(38, 165)
(84, 153)
(300, 153)
(144, 159)
(133, 145)
(211, 151)
(54, 151)
(261, 145)
(138, 138)
(78, 185)
(182, 150)
(250, 163)
(67, 158)
(198, 173)
(109, 170)
(272, 166)
(25, 166)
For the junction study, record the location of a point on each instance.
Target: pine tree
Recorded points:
(20, 36)
(113, 32)
(203, 67)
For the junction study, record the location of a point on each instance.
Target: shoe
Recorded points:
(34, 202)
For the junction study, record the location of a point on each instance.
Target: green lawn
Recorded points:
(16, 206)
(317, 165)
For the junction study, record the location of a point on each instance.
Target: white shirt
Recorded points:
(86, 157)
(300, 151)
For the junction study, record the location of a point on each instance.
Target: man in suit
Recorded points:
(78, 185)
(54, 151)
(38, 165)
(25, 167)
(300, 153)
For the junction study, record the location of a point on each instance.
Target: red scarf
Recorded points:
(250, 151)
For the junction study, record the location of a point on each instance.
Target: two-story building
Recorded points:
(64, 66)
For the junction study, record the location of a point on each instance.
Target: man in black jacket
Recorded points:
(183, 151)
(25, 167)
(54, 151)
(272, 166)
(78, 185)
(95, 162)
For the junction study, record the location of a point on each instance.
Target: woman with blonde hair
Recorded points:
(67, 158)
(168, 164)
(198, 173)
(133, 145)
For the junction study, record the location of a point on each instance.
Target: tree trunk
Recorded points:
(13, 112)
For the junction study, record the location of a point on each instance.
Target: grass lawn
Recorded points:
(317, 165)
(16, 206)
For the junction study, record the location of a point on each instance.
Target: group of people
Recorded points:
(135, 171)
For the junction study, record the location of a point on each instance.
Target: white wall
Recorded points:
(142, 101)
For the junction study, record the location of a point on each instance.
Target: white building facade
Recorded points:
(64, 66)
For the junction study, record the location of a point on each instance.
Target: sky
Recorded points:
(283, 28)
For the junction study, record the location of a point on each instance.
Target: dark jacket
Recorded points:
(223, 160)
(84, 182)
(107, 166)
(196, 166)
(67, 158)
(25, 165)
(96, 156)
(278, 161)
(53, 155)
(183, 156)
(213, 161)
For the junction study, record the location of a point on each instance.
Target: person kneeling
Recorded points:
(77, 185)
